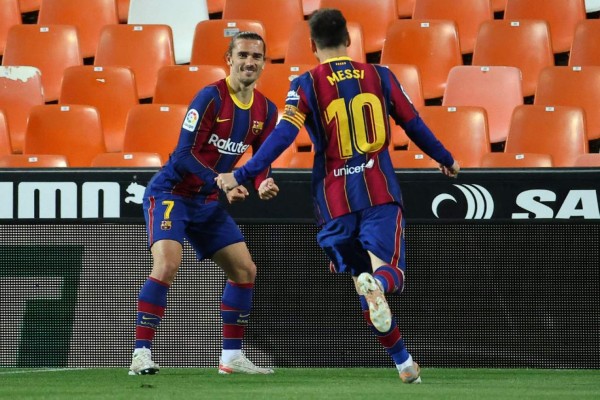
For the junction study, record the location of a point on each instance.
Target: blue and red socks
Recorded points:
(390, 340)
(390, 278)
(236, 304)
(152, 302)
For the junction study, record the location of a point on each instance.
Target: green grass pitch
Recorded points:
(299, 383)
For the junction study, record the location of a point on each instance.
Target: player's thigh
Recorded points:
(338, 239)
(382, 235)
(211, 230)
(166, 217)
(235, 260)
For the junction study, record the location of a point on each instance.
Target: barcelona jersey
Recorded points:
(345, 106)
(216, 131)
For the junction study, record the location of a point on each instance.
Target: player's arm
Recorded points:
(196, 126)
(270, 123)
(405, 115)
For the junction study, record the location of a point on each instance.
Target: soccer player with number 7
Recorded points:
(345, 106)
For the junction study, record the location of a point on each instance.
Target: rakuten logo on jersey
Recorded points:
(348, 170)
(227, 146)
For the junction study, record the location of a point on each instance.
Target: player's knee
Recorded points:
(165, 269)
(244, 272)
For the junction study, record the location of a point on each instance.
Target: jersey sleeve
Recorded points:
(404, 114)
(195, 129)
(280, 139)
(270, 126)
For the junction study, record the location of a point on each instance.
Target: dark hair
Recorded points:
(328, 28)
(245, 35)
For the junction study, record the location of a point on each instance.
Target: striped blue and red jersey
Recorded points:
(345, 106)
(216, 131)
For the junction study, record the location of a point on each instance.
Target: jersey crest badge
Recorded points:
(257, 127)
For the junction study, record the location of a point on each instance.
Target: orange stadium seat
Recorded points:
(215, 6)
(153, 128)
(178, 84)
(469, 85)
(21, 90)
(467, 14)
(463, 130)
(516, 160)
(212, 38)
(143, 48)
(181, 16)
(498, 5)
(74, 131)
(300, 52)
(115, 160)
(29, 5)
(110, 89)
(587, 160)
(373, 16)
(50, 48)
(275, 80)
(9, 15)
(277, 16)
(309, 6)
(433, 46)
(412, 159)
(88, 16)
(558, 131)
(405, 8)
(123, 10)
(5, 146)
(584, 49)
(562, 17)
(301, 160)
(33, 161)
(409, 77)
(572, 86)
(524, 44)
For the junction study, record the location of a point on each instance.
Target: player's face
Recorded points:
(246, 61)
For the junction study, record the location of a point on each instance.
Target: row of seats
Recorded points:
(76, 132)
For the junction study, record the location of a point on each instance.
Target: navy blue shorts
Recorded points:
(207, 227)
(378, 229)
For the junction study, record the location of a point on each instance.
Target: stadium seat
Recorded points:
(74, 131)
(516, 160)
(498, 5)
(409, 77)
(587, 160)
(87, 16)
(50, 48)
(373, 16)
(467, 14)
(277, 16)
(153, 128)
(123, 10)
(524, 44)
(405, 8)
(29, 5)
(584, 49)
(115, 160)
(497, 89)
(215, 6)
(411, 159)
(10, 15)
(181, 15)
(178, 84)
(572, 86)
(110, 89)
(300, 51)
(143, 48)
(21, 90)
(558, 131)
(274, 82)
(5, 146)
(33, 161)
(463, 130)
(301, 160)
(212, 38)
(562, 17)
(433, 46)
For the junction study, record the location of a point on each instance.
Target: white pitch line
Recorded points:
(31, 371)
